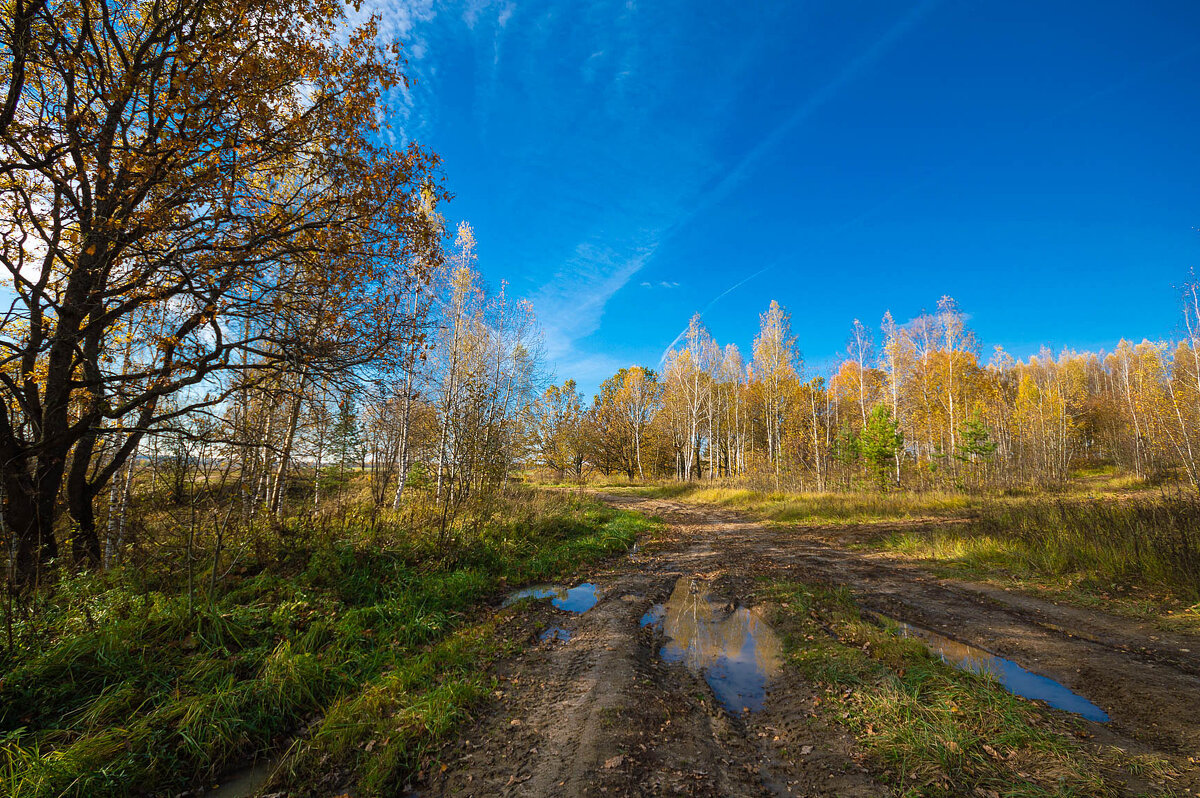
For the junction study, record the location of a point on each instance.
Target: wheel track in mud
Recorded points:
(602, 715)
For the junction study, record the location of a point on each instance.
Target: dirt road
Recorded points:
(603, 714)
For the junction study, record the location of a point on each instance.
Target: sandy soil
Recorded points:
(601, 714)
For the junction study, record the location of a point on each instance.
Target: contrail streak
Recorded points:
(901, 27)
(862, 62)
(741, 171)
(715, 300)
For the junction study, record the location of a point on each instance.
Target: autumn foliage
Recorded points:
(916, 407)
(190, 192)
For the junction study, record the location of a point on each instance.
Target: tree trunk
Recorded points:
(31, 522)
(402, 466)
(286, 454)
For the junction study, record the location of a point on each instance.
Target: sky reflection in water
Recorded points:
(1012, 676)
(578, 599)
(735, 651)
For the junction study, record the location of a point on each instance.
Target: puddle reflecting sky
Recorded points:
(246, 782)
(577, 599)
(736, 652)
(536, 592)
(555, 633)
(1012, 676)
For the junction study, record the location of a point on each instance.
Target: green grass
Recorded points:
(382, 732)
(121, 690)
(930, 729)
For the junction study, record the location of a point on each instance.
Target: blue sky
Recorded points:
(626, 162)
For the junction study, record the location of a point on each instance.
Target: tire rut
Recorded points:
(603, 715)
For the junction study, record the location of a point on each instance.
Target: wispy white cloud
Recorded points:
(571, 305)
(608, 150)
(588, 370)
(606, 141)
(591, 66)
(399, 21)
(571, 300)
(410, 22)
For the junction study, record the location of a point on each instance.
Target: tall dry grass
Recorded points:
(1147, 541)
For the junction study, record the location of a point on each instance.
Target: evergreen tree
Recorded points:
(845, 450)
(975, 440)
(346, 440)
(879, 443)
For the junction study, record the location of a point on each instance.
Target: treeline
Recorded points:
(911, 405)
(437, 413)
(228, 296)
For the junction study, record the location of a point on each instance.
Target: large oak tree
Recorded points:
(189, 191)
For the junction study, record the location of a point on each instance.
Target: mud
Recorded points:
(610, 711)
(555, 633)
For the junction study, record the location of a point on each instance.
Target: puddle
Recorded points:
(653, 616)
(577, 599)
(1012, 676)
(735, 651)
(246, 782)
(555, 633)
(537, 592)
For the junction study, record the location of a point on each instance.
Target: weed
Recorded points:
(1100, 551)
(931, 729)
(360, 641)
(1138, 555)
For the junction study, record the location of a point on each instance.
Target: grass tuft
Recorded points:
(931, 729)
(332, 647)
(1138, 556)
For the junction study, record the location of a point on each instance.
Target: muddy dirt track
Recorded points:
(602, 714)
